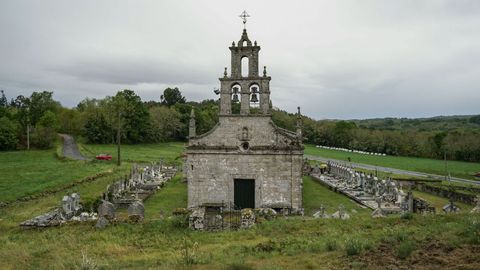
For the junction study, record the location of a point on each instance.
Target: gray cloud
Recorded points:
(133, 72)
(336, 59)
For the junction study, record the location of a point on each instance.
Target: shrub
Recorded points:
(180, 211)
(407, 216)
(239, 266)
(87, 263)
(472, 232)
(43, 137)
(8, 137)
(268, 246)
(401, 236)
(405, 249)
(91, 204)
(331, 245)
(353, 246)
(314, 246)
(178, 221)
(188, 252)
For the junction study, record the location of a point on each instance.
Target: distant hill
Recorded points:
(437, 123)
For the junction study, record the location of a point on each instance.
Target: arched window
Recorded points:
(236, 97)
(244, 44)
(244, 66)
(254, 95)
(236, 89)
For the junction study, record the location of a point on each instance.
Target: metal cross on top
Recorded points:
(244, 17)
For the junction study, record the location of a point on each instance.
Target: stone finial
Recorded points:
(191, 125)
(244, 38)
(299, 124)
(225, 72)
(255, 43)
(233, 43)
(264, 71)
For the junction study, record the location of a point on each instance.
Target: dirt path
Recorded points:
(70, 149)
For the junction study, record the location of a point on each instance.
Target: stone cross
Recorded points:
(322, 209)
(378, 200)
(244, 17)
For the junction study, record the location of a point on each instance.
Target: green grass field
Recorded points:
(456, 168)
(25, 173)
(137, 153)
(28, 172)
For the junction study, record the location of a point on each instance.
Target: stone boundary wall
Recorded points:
(456, 196)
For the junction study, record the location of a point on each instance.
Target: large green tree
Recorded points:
(129, 112)
(8, 134)
(40, 102)
(172, 96)
(166, 123)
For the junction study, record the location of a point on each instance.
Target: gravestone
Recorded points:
(378, 212)
(450, 208)
(136, 211)
(102, 223)
(67, 209)
(107, 210)
(75, 202)
(248, 218)
(341, 213)
(321, 213)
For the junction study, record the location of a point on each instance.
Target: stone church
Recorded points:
(245, 159)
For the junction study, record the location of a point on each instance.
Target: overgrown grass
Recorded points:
(293, 243)
(172, 196)
(157, 243)
(434, 166)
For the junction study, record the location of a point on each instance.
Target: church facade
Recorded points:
(245, 160)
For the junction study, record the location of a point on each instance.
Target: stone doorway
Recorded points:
(244, 193)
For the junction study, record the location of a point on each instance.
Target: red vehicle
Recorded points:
(103, 157)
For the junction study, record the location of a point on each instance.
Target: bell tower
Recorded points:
(248, 88)
(245, 160)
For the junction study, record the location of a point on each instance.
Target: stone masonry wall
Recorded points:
(278, 181)
(229, 132)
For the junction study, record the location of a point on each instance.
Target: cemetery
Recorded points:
(142, 182)
(227, 187)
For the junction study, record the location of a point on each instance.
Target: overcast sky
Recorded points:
(335, 59)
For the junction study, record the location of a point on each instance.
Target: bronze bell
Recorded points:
(235, 98)
(254, 98)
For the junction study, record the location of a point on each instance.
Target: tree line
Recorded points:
(34, 122)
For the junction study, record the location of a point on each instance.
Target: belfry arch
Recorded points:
(244, 70)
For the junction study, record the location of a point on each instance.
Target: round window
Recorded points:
(245, 146)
